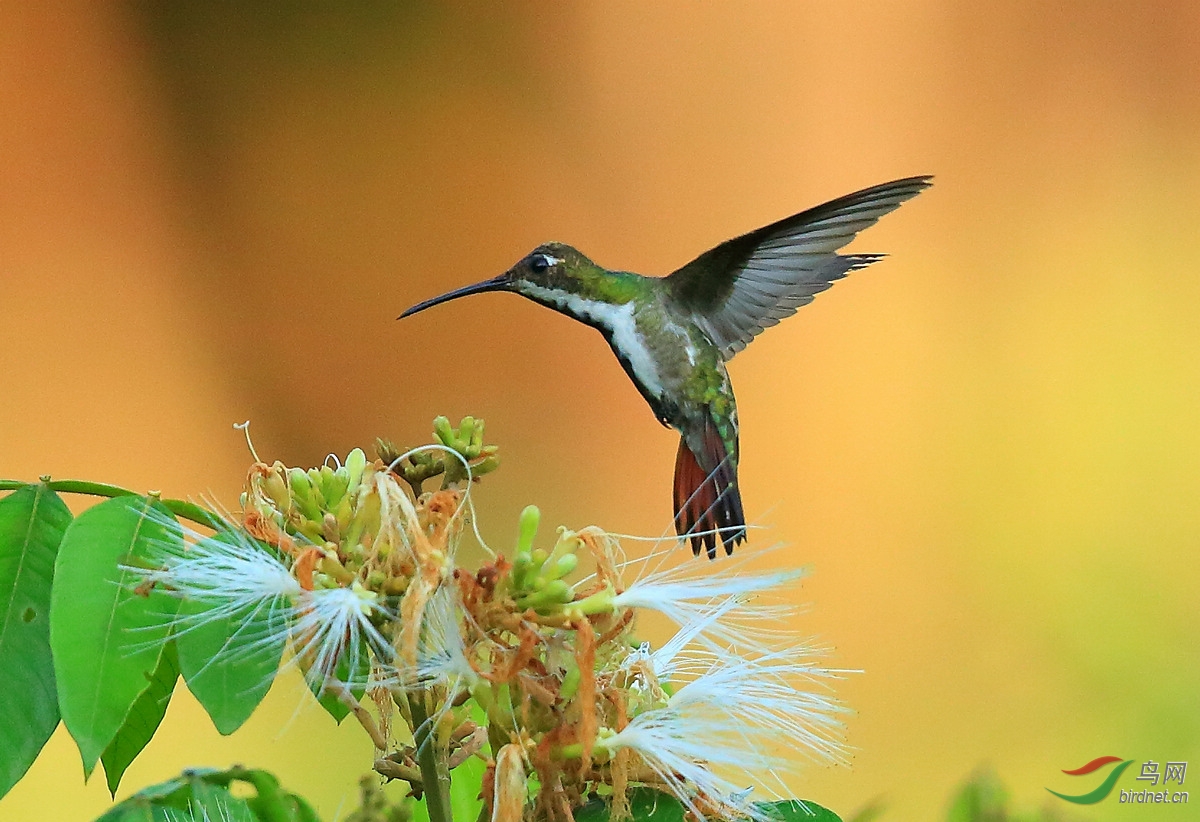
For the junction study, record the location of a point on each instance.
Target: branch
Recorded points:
(180, 508)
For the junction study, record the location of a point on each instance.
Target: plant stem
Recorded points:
(181, 508)
(435, 785)
(360, 713)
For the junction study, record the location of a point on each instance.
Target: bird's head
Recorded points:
(545, 274)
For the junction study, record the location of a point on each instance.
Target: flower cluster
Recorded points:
(532, 663)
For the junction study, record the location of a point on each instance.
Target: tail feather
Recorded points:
(706, 497)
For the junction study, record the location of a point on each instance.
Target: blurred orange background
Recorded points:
(986, 447)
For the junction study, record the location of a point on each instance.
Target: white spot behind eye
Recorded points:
(541, 262)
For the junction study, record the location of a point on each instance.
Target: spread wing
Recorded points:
(752, 282)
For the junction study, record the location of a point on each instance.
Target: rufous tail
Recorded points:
(707, 501)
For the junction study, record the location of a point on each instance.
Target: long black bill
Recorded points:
(494, 284)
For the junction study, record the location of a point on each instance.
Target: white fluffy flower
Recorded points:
(731, 720)
(227, 572)
(332, 627)
(232, 575)
(442, 653)
(690, 592)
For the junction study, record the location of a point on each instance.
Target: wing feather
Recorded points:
(752, 282)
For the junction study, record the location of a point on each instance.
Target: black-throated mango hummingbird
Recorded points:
(674, 334)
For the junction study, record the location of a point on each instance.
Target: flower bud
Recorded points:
(329, 527)
(276, 487)
(343, 512)
(466, 433)
(302, 493)
(486, 465)
(563, 566)
(528, 526)
(475, 446)
(318, 496)
(364, 519)
(548, 595)
(442, 432)
(334, 485)
(520, 572)
(508, 796)
(570, 682)
(356, 463)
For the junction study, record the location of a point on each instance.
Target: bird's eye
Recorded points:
(539, 263)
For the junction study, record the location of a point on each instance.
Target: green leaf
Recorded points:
(272, 803)
(32, 522)
(130, 811)
(106, 636)
(143, 719)
(330, 702)
(229, 662)
(796, 810)
(215, 803)
(465, 785)
(645, 805)
(205, 794)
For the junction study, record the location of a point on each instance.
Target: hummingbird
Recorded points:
(673, 335)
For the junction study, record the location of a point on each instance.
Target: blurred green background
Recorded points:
(986, 446)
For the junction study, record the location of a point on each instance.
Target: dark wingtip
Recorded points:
(897, 191)
(918, 181)
(855, 262)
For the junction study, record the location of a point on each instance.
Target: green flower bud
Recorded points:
(563, 566)
(442, 432)
(500, 710)
(466, 432)
(303, 493)
(537, 559)
(356, 463)
(485, 466)
(276, 487)
(553, 593)
(475, 446)
(527, 528)
(520, 572)
(343, 513)
(334, 485)
(314, 481)
(310, 529)
(299, 481)
(570, 682)
(365, 519)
